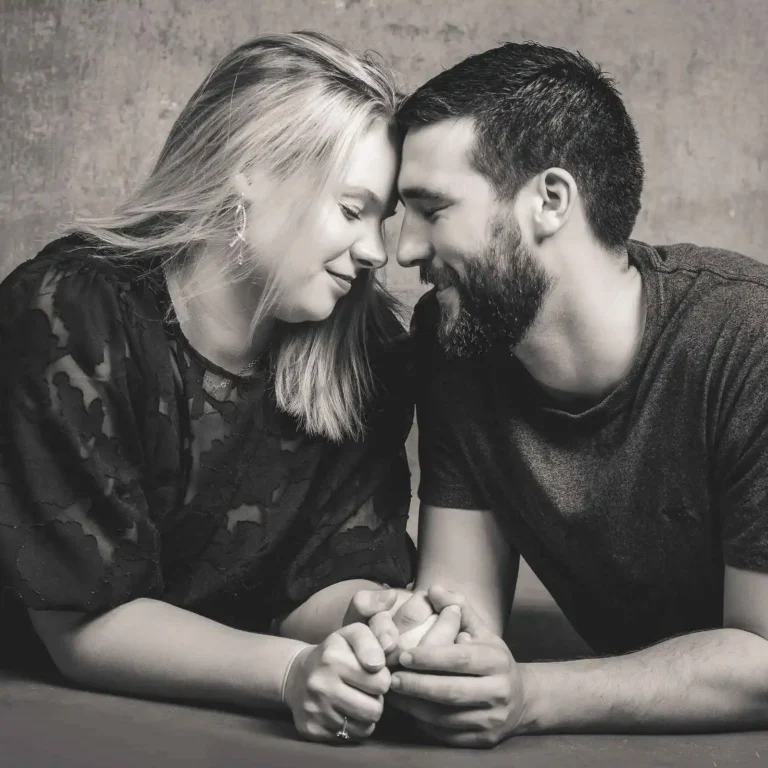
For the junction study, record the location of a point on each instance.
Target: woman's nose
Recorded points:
(369, 253)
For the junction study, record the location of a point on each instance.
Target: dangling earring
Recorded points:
(239, 232)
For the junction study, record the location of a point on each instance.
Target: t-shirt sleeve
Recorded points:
(75, 532)
(741, 455)
(442, 392)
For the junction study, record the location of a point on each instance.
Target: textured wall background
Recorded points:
(90, 88)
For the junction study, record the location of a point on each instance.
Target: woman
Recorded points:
(204, 404)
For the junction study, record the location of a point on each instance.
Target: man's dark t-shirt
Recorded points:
(627, 511)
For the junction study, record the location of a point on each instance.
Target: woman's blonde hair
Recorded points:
(293, 106)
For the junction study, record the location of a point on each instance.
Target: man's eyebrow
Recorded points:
(423, 194)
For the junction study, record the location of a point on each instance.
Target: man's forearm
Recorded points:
(708, 681)
(493, 608)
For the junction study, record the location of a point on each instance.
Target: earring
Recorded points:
(239, 232)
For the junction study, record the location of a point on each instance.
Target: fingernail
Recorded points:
(406, 659)
(387, 643)
(453, 609)
(372, 660)
(394, 682)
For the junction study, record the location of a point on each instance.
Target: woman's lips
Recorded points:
(344, 282)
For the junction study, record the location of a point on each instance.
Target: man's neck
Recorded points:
(589, 330)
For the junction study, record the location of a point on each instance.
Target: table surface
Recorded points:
(43, 723)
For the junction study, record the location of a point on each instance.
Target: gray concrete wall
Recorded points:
(90, 88)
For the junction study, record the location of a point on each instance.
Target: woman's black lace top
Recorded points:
(122, 476)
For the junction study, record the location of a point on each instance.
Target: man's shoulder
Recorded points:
(718, 264)
(717, 287)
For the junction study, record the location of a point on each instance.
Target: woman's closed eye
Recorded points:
(352, 214)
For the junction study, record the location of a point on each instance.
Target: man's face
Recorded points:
(466, 242)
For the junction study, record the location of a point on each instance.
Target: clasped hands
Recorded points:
(433, 657)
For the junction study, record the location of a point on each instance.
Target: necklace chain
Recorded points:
(208, 377)
(225, 381)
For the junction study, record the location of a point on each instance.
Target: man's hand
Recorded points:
(398, 618)
(467, 694)
(376, 608)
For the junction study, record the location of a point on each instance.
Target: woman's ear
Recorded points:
(556, 193)
(242, 185)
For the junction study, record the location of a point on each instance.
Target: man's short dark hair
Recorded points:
(535, 107)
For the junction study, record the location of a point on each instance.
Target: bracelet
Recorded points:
(288, 672)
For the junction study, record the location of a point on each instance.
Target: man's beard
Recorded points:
(500, 295)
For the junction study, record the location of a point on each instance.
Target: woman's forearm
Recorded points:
(324, 612)
(152, 649)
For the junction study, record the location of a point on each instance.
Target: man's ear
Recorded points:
(555, 195)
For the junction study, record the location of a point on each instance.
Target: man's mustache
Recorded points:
(431, 274)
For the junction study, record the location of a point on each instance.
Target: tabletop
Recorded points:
(46, 723)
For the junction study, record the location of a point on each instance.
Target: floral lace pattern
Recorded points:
(122, 476)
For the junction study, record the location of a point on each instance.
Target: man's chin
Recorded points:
(463, 339)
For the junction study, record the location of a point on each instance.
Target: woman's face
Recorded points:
(342, 238)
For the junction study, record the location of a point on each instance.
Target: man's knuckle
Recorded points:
(500, 693)
(497, 699)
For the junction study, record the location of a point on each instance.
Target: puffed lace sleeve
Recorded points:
(75, 530)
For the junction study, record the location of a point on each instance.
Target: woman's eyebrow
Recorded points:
(386, 206)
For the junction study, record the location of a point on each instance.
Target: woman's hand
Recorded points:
(401, 620)
(343, 677)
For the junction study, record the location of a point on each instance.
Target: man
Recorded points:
(593, 404)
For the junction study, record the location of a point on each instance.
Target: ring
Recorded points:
(342, 734)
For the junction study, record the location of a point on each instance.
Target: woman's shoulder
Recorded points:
(70, 274)
(73, 292)
(69, 257)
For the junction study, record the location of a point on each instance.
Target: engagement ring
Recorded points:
(342, 734)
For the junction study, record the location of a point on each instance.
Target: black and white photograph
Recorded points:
(383, 382)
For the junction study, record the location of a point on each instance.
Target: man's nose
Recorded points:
(414, 244)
